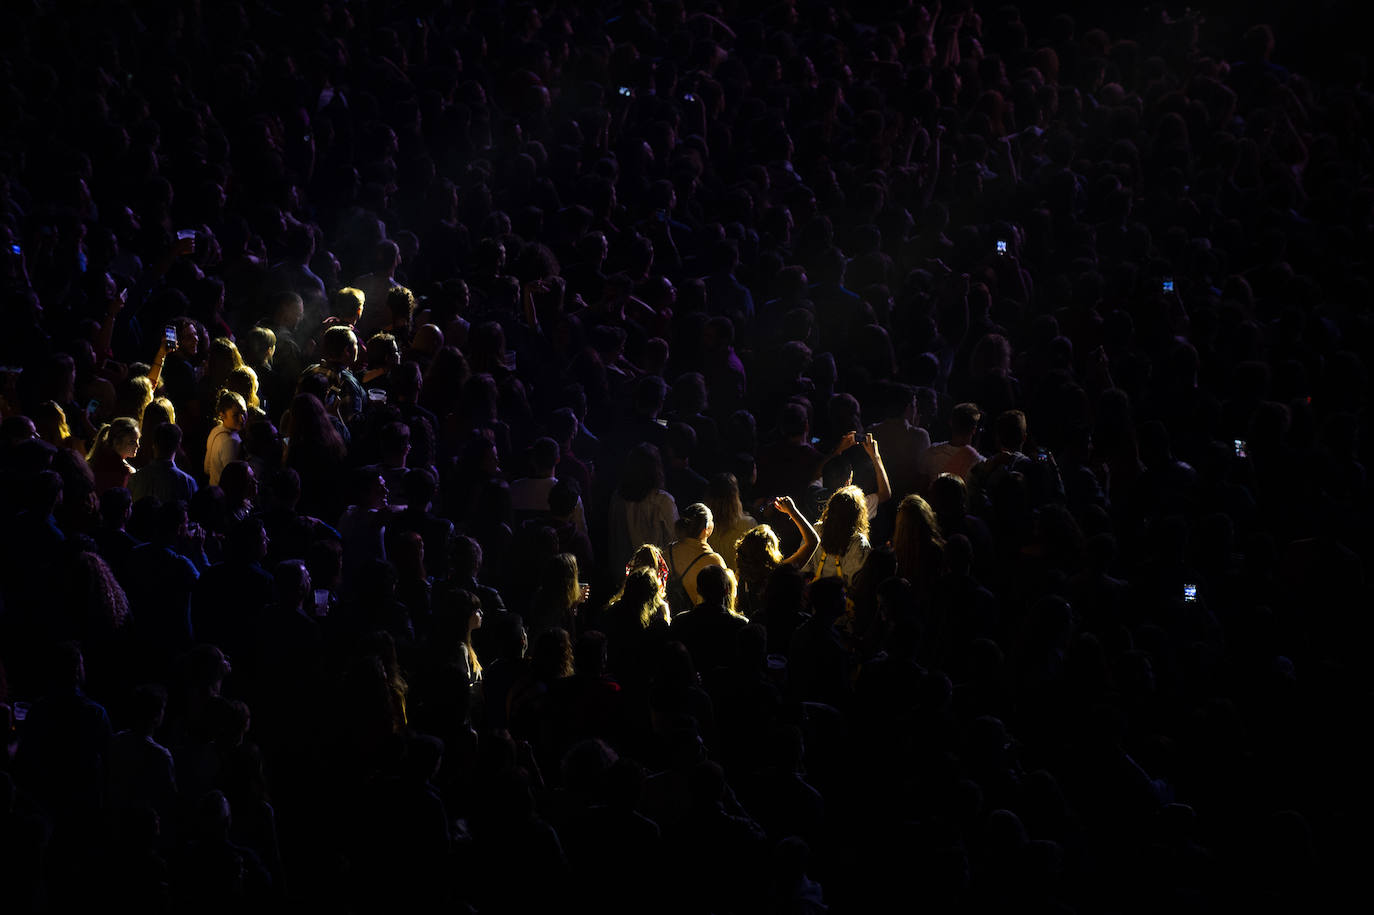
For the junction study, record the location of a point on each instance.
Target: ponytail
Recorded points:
(228, 400)
(100, 439)
(694, 519)
(120, 425)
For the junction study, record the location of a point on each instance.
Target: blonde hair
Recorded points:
(111, 432)
(244, 381)
(757, 554)
(166, 406)
(846, 514)
(644, 595)
(137, 394)
(50, 411)
(722, 498)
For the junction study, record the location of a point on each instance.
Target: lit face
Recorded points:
(127, 445)
(233, 419)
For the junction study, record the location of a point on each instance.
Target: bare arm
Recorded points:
(155, 370)
(810, 539)
(884, 487)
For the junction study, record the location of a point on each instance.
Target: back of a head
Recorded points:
(418, 487)
(115, 503)
(964, 418)
(168, 522)
(347, 304)
(1011, 430)
(694, 520)
(394, 440)
(290, 581)
(716, 585)
(562, 425)
(544, 454)
(467, 556)
(563, 498)
(166, 440)
(827, 598)
(642, 473)
(336, 343)
(650, 392)
(793, 421)
(680, 442)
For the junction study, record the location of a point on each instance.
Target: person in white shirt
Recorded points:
(956, 456)
(224, 445)
(530, 495)
(641, 511)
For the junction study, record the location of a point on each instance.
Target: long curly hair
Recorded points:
(757, 553)
(96, 601)
(846, 514)
(642, 596)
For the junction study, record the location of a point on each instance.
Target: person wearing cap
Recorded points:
(956, 456)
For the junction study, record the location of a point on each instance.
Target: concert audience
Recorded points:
(391, 394)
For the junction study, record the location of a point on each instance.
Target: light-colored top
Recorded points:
(946, 458)
(633, 524)
(687, 558)
(723, 541)
(828, 565)
(222, 448)
(531, 494)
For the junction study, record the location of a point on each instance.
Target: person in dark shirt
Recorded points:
(708, 629)
(163, 579)
(230, 595)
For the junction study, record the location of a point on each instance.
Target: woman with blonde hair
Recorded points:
(133, 396)
(221, 359)
(636, 623)
(158, 413)
(844, 536)
(917, 544)
(51, 422)
(722, 498)
(115, 444)
(759, 554)
(243, 381)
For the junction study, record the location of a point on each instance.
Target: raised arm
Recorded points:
(884, 487)
(810, 539)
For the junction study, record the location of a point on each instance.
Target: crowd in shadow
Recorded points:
(679, 456)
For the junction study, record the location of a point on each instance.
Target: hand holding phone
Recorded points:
(169, 337)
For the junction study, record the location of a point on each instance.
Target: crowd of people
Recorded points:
(680, 455)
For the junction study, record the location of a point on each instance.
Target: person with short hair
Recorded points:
(529, 495)
(162, 478)
(957, 455)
